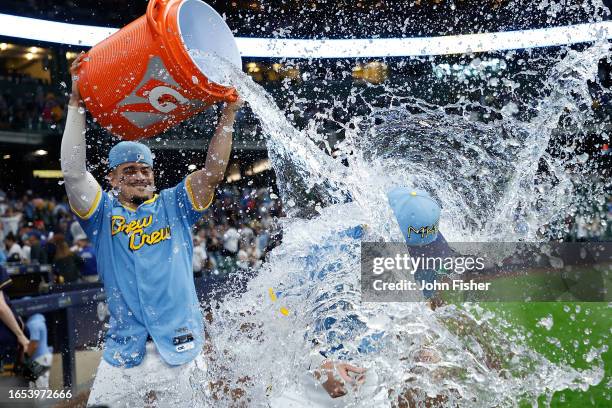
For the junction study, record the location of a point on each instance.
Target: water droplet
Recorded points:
(546, 322)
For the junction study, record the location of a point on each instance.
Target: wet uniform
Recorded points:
(144, 258)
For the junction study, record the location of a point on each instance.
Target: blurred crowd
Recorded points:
(594, 226)
(33, 111)
(239, 230)
(236, 233)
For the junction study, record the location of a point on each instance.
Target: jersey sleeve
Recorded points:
(91, 222)
(34, 330)
(186, 203)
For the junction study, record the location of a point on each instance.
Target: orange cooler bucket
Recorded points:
(142, 80)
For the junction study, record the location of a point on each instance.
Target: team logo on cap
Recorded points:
(423, 231)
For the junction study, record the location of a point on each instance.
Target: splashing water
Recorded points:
(486, 177)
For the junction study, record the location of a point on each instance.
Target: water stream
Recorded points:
(489, 180)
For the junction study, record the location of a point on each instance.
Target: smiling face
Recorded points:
(134, 182)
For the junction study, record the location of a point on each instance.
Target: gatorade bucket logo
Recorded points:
(156, 98)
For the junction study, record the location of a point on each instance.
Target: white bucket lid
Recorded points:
(202, 29)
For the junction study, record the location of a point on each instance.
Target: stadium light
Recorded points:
(86, 36)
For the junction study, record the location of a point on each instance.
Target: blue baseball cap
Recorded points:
(129, 152)
(417, 214)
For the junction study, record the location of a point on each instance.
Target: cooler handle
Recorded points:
(151, 8)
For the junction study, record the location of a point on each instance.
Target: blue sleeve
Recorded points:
(334, 325)
(92, 221)
(34, 330)
(437, 249)
(186, 204)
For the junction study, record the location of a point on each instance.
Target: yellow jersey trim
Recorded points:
(192, 197)
(6, 282)
(93, 206)
(149, 201)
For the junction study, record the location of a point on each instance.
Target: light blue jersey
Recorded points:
(38, 332)
(144, 257)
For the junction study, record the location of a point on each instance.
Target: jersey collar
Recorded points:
(132, 209)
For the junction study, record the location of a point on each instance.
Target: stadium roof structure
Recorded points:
(87, 36)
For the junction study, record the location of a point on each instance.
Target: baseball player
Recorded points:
(336, 368)
(143, 244)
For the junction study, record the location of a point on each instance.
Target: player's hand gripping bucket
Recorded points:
(142, 80)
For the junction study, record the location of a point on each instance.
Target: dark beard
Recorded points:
(137, 200)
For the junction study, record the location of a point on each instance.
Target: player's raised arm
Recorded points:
(82, 189)
(203, 182)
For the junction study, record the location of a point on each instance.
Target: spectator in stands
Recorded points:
(242, 258)
(36, 254)
(26, 250)
(41, 229)
(11, 220)
(66, 264)
(76, 230)
(226, 261)
(261, 242)
(52, 112)
(200, 258)
(2, 256)
(12, 335)
(89, 268)
(38, 348)
(14, 251)
(2, 234)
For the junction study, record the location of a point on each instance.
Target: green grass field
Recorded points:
(578, 327)
(590, 327)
